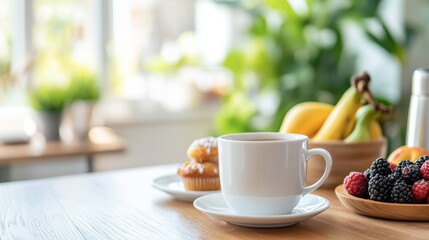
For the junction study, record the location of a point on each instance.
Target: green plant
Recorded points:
(292, 56)
(83, 86)
(48, 98)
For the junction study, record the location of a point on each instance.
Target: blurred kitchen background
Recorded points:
(162, 73)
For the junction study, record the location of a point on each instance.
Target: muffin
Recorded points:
(200, 176)
(203, 150)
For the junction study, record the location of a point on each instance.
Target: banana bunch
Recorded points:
(342, 119)
(348, 120)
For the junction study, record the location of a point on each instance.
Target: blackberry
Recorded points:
(379, 188)
(421, 160)
(404, 163)
(395, 176)
(411, 173)
(367, 174)
(397, 173)
(401, 192)
(380, 166)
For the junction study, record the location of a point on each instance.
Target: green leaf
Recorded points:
(387, 41)
(259, 26)
(410, 33)
(235, 114)
(258, 59)
(235, 61)
(366, 8)
(338, 46)
(310, 6)
(284, 7)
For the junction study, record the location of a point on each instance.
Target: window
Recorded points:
(117, 40)
(133, 40)
(63, 39)
(6, 83)
(140, 29)
(155, 54)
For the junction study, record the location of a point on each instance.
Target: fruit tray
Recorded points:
(394, 211)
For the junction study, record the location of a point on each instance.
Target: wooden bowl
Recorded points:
(394, 211)
(346, 157)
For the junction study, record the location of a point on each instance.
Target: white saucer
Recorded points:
(172, 184)
(213, 205)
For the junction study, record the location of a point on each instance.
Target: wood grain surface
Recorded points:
(124, 205)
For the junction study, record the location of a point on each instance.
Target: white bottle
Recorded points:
(418, 115)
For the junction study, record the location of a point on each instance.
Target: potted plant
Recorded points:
(84, 92)
(49, 102)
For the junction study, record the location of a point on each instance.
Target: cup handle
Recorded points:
(328, 164)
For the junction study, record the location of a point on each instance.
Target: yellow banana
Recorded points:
(375, 130)
(335, 126)
(306, 118)
(349, 127)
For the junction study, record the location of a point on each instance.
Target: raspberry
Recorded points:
(379, 188)
(401, 192)
(392, 166)
(420, 190)
(380, 166)
(356, 184)
(424, 170)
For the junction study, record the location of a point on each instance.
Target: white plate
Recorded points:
(172, 184)
(213, 205)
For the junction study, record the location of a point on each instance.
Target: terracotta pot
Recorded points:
(346, 157)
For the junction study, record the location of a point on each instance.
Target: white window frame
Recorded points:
(22, 37)
(23, 44)
(23, 40)
(102, 27)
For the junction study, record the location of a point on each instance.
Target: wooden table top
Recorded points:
(103, 141)
(123, 205)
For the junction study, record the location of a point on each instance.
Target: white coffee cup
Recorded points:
(263, 173)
